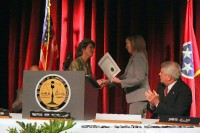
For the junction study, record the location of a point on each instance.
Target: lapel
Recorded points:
(174, 90)
(129, 64)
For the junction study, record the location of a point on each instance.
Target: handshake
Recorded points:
(103, 82)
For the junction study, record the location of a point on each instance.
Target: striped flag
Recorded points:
(190, 56)
(49, 49)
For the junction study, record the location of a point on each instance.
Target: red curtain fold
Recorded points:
(12, 73)
(34, 38)
(64, 44)
(24, 33)
(93, 35)
(78, 23)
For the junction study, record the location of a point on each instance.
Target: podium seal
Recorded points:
(52, 92)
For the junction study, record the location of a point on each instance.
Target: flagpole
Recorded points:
(48, 33)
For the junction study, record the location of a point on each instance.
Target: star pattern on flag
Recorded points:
(187, 66)
(187, 53)
(45, 34)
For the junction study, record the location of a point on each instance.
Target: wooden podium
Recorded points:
(83, 94)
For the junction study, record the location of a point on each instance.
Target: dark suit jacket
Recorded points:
(176, 103)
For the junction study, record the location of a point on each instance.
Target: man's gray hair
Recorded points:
(172, 68)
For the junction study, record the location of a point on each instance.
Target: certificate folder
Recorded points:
(108, 66)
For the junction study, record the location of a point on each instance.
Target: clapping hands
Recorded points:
(152, 97)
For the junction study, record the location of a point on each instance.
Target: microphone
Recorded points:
(67, 62)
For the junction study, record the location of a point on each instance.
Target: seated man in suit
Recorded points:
(173, 96)
(17, 105)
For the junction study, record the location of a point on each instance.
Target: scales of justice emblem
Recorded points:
(52, 93)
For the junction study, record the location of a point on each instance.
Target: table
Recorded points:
(147, 126)
(89, 126)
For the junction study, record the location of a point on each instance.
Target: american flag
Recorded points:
(190, 55)
(49, 49)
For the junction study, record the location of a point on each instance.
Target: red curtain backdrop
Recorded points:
(106, 22)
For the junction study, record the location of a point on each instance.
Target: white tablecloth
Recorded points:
(147, 126)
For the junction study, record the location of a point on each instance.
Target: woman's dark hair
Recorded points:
(82, 45)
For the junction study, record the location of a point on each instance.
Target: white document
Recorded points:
(125, 117)
(108, 66)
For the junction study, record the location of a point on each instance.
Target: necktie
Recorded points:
(165, 91)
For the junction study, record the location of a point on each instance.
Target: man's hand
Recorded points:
(152, 97)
